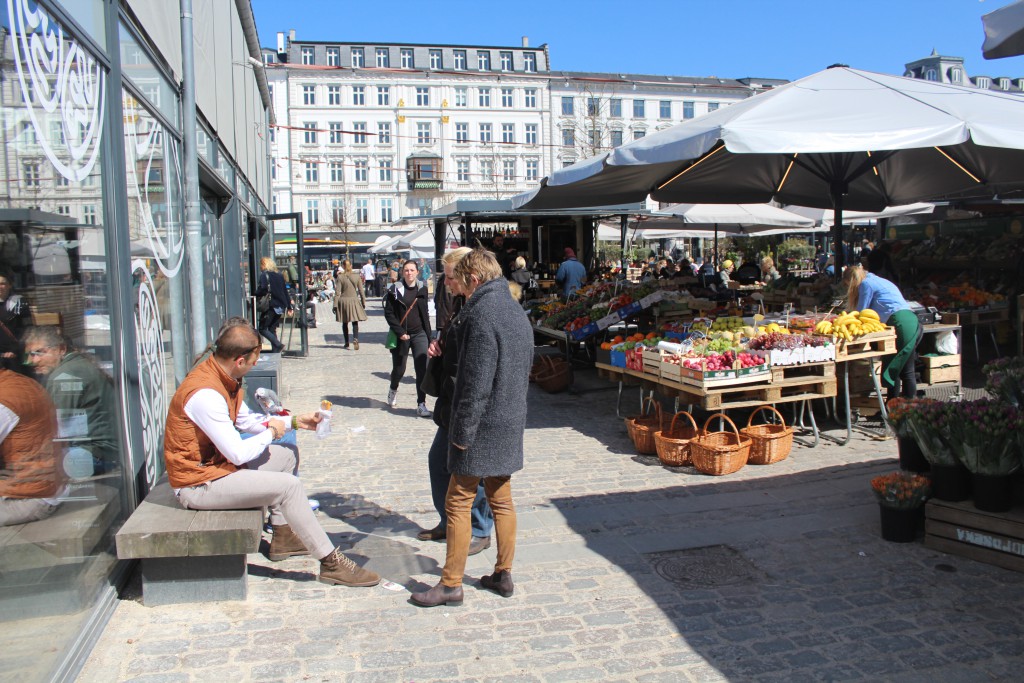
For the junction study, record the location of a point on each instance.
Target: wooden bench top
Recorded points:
(161, 527)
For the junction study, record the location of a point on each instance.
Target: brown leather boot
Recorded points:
(336, 568)
(285, 544)
(439, 595)
(499, 582)
(355, 344)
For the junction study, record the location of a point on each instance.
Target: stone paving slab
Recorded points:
(823, 598)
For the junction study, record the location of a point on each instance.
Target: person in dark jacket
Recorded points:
(447, 302)
(15, 316)
(408, 316)
(487, 422)
(520, 275)
(272, 281)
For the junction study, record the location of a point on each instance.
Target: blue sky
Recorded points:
(724, 38)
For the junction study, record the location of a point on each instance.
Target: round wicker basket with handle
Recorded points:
(642, 428)
(673, 445)
(553, 375)
(770, 443)
(719, 453)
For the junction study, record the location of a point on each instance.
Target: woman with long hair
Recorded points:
(272, 281)
(867, 290)
(408, 316)
(349, 302)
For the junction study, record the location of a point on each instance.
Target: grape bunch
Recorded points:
(777, 341)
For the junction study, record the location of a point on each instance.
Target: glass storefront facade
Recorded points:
(95, 313)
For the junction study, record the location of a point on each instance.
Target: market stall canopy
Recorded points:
(420, 240)
(823, 217)
(1004, 32)
(736, 218)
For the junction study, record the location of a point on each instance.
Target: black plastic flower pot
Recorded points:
(950, 482)
(993, 492)
(900, 525)
(911, 456)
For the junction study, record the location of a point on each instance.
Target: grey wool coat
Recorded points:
(488, 417)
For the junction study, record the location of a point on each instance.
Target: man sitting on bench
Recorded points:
(210, 466)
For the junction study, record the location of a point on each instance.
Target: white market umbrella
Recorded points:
(1004, 31)
(840, 138)
(823, 217)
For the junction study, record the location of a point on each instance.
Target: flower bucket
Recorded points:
(911, 456)
(950, 482)
(899, 525)
(993, 492)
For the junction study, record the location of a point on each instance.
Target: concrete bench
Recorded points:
(189, 555)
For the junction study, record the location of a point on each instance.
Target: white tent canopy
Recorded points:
(419, 243)
(823, 217)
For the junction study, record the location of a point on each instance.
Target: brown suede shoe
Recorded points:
(439, 595)
(438, 533)
(355, 344)
(479, 544)
(499, 582)
(285, 544)
(336, 568)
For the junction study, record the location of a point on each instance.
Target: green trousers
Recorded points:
(907, 330)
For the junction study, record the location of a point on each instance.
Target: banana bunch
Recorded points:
(850, 325)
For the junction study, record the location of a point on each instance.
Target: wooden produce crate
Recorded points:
(780, 373)
(652, 359)
(991, 537)
(867, 346)
(753, 395)
(941, 369)
(987, 316)
(708, 379)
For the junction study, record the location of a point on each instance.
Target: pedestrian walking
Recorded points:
(349, 303)
(272, 281)
(369, 275)
(408, 316)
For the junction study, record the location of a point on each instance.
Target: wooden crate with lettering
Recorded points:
(960, 529)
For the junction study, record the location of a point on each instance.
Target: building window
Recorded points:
(385, 170)
(615, 108)
(383, 58)
(487, 170)
(530, 98)
(593, 106)
(485, 133)
(362, 211)
(566, 163)
(687, 110)
(1004, 83)
(712, 106)
(64, 210)
(359, 95)
(594, 135)
(423, 133)
(408, 61)
(361, 170)
(334, 133)
(334, 56)
(338, 211)
(30, 170)
(508, 132)
(312, 171)
(506, 60)
(424, 206)
(931, 75)
(567, 108)
(616, 137)
(337, 171)
(462, 170)
(461, 63)
(983, 82)
(436, 60)
(384, 133)
(358, 58)
(386, 211)
(89, 214)
(506, 98)
(309, 94)
(637, 134)
(638, 109)
(665, 109)
(484, 97)
(61, 181)
(383, 96)
(334, 95)
(460, 97)
(531, 133)
(568, 137)
(530, 62)
(312, 212)
(461, 132)
(307, 56)
(532, 169)
(483, 60)
(273, 171)
(956, 75)
(422, 97)
(359, 133)
(309, 133)
(269, 58)
(508, 170)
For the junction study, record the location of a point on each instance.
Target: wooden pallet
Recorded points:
(869, 346)
(818, 370)
(747, 396)
(990, 537)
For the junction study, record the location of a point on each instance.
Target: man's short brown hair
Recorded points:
(236, 341)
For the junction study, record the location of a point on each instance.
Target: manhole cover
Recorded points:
(715, 565)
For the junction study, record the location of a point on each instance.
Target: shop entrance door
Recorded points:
(292, 331)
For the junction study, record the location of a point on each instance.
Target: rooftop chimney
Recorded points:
(291, 35)
(526, 41)
(280, 42)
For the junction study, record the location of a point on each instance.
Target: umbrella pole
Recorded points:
(839, 254)
(715, 261)
(623, 229)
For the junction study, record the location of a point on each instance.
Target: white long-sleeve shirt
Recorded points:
(209, 411)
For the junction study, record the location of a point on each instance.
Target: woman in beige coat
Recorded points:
(349, 302)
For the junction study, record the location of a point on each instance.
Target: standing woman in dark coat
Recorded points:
(349, 302)
(487, 422)
(408, 316)
(273, 282)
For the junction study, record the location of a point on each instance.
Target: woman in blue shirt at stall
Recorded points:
(867, 290)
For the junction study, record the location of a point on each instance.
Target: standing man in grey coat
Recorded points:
(488, 419)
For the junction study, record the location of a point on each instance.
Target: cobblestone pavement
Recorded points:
(786, 578)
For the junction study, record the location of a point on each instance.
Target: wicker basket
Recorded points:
(673, 446)
(553, 374)
(770, 443)
(642, 428)
(719, 453)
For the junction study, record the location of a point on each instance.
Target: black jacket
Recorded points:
(394, 307)
(449, 364)
(278, 292)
